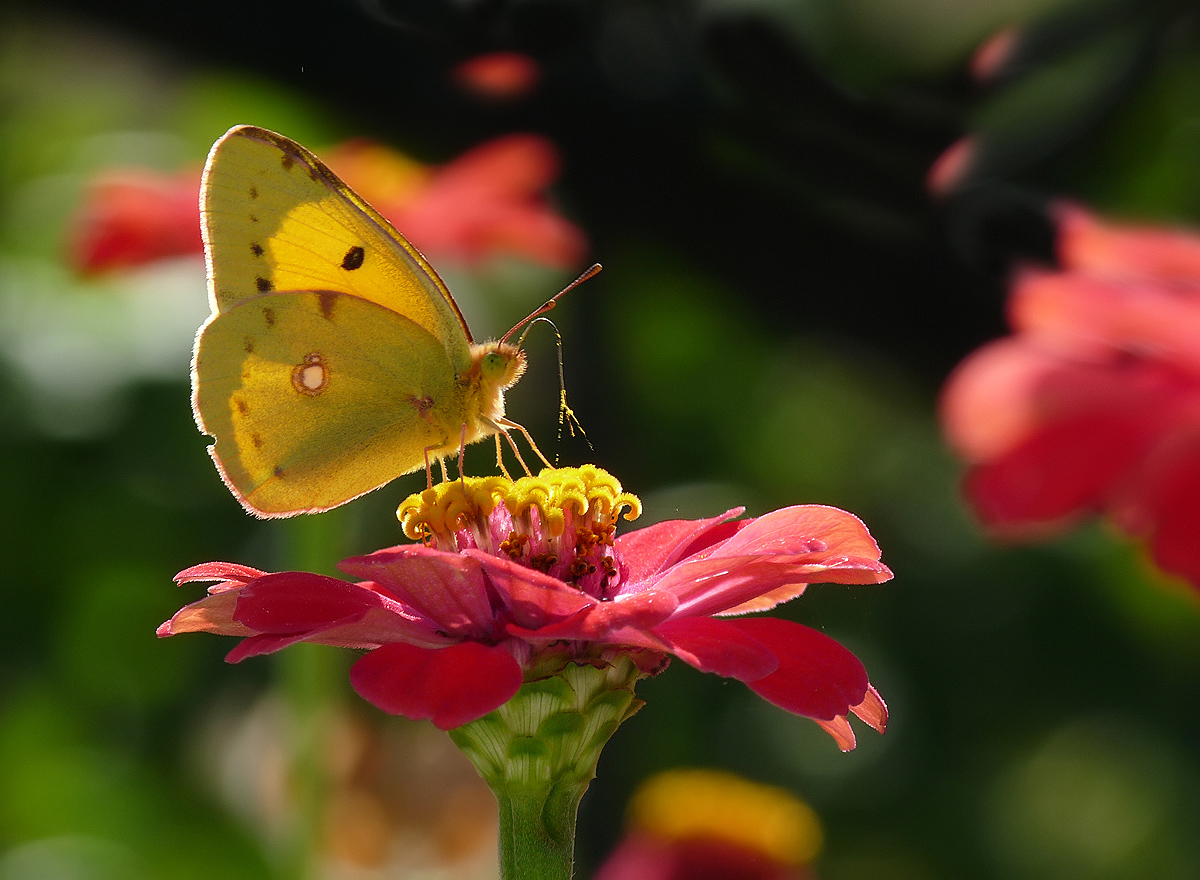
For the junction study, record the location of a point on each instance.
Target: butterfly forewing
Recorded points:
(275, 219)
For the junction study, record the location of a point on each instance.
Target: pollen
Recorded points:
(588, 494)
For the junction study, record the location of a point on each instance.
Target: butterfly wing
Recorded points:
(276, 218)
(317, 397)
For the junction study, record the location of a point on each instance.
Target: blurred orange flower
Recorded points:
(489, 201)
(498, 76)
(712, 825)
(1093, 405)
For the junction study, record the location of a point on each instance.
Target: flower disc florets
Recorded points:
(562, 522)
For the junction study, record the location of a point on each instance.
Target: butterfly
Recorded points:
(335, 358)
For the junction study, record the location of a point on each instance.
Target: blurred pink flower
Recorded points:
(487, 202)
(502, 593)
(1093, 405)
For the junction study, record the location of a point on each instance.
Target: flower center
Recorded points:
(561, 522)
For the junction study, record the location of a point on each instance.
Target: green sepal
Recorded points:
(538, 752)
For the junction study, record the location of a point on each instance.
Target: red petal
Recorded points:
(645, 552)
(449, 686)
(448, 588)
(1165, 503)
(718, 646)
(294, 602)
(1068, 467)
(534, 599)
(817, 677)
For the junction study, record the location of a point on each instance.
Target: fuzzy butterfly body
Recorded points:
(335, 359)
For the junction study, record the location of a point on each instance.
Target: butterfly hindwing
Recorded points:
(275, 218)
(316, 397)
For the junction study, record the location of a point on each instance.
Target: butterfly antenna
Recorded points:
(594, 269)
(566, 415)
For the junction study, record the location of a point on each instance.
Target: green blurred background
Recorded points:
(781, 300)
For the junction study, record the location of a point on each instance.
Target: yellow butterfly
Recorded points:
(335, 359)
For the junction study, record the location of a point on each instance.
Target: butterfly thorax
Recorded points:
(495, 367)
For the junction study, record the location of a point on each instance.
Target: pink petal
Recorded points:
(533, 599)
(625, 620)
(1068, 467)
(645, 552)
(722, 585)
(230, 573)
(1163, 502)
(815, 531)
(872, 709)
(839, 728)
(449, 686)
(990, 401)
(447, 588)
(213, 614)
(817, 677)
(718, 646)
(257, 645)
(1073, 311)
(1122, 250)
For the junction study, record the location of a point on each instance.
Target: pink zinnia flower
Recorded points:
(489, 201)
(1093, 405)
(515, 579)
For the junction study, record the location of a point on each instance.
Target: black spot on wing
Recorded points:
(287, 162)
(269, 317)
(278, 471)
(241, 405)
(253, 218)
(248, 345)
(327, 300)
(256, 249)
(256, 440)
(263, 284)
(353, 259)
(254, 192)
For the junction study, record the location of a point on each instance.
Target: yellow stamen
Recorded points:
(453, 505)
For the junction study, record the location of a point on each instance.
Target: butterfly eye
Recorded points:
(494, 365)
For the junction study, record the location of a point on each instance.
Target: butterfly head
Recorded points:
(500, 364)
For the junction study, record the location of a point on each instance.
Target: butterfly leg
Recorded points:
(516, 452)
(500, 457)
(428, 470)
(506, 424)
(462, 448)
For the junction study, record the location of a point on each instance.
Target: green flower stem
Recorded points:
(533, 843)
(538, 752)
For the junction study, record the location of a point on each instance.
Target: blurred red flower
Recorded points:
(135, 216)
(517, 577)
(1093, 405)
(489, 201)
